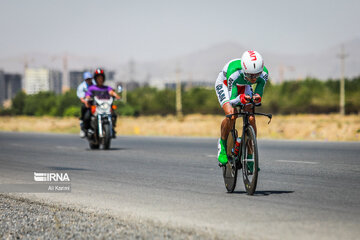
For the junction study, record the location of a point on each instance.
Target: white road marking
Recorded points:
(66, 147)
(292, 161)
(17, 144)
(211, 156)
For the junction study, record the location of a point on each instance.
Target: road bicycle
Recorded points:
(247, 147)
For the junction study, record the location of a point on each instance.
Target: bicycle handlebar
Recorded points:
(269, 115)
(256, 104)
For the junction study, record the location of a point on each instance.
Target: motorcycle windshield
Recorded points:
(103, 106)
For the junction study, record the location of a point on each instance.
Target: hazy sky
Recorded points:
(147, 30)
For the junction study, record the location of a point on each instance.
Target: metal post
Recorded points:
(65, 84)
(342, 57)
(281, 73)
(124, 93)
(23, 80)
(129, 79)
(179, 113)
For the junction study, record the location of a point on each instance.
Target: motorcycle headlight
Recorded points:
(104, 106)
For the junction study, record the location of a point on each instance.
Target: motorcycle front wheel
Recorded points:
(107, 136)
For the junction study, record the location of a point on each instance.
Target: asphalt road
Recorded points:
(306, 190)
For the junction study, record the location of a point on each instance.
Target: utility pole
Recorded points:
(130, 78)
(281, 73)
(26, 63)
(124, 93)
(65, 84)
(190, 80)
(24, 80)
(179, 113)
(342, 57)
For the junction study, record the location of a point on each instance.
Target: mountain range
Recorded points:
(205, 64)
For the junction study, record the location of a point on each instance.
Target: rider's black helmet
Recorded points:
(98, 72)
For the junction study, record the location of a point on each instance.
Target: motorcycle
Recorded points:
(101, 123)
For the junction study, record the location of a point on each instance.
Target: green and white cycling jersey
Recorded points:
(231, 83)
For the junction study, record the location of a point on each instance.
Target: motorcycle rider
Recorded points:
(233, 87)
(81, 91)
(102, 92)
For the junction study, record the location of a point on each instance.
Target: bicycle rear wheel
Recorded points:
(230, 169)
(249, 147)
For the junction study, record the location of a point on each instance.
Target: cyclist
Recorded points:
(234, 87)
(81, 90)
(101, 91)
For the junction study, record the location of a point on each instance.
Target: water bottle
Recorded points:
(237, 146)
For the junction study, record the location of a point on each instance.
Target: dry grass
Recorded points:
(39, 124)
(331, 127)
(296, 127)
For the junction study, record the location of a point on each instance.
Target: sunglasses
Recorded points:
(252, 76)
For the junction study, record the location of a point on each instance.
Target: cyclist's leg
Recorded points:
(222, 93)
(248, 108)
(227, 123)
(249, 91)
(250, 150)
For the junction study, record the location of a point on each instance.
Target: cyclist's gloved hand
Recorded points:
(244, 98)
(240, 99)
(235, 102)
(256, 98)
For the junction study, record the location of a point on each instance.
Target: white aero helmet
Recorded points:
(252, 64)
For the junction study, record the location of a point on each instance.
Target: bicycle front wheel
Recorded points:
(230, 169)
(250, 160)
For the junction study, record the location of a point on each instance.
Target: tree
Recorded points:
(18, 103)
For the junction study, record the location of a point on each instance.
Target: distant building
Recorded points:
(190, 84)
(12, 85)
(76, 77)
(55, 80)
(36, 80)
(158, 83)
(171, 86)
(193, 84)
(110, 75)
(130, 86)
(42, 79)
(2, 88)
